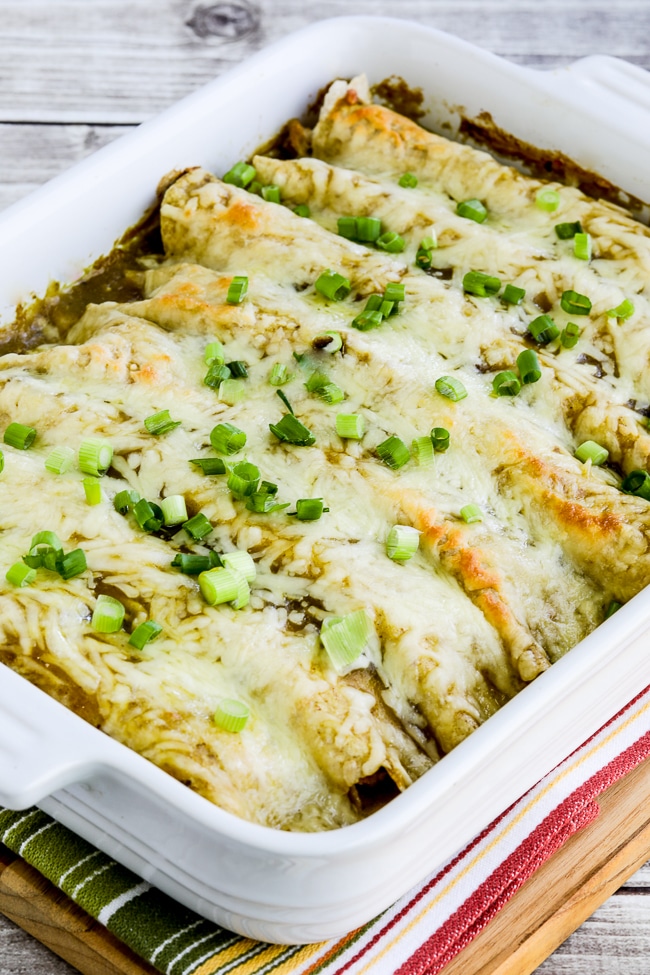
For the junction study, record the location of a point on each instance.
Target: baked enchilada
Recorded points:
(365, 455)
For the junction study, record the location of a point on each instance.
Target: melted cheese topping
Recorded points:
(479, 610)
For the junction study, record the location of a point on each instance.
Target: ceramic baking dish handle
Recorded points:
(616, 80)
(42, 750)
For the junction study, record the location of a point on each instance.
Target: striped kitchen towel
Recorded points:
(417, 936)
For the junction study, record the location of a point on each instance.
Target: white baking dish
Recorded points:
(267, 884)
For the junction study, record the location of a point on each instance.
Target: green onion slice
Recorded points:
(512, 295)
(46, 550)
(624, 310)
(528, 366)
(214, 353)
(160, 423)
(429, 243)
(333, 285)
(285, 400)
(19, 436)
(613, 607)
(280, 375)
(328, 342)
(72, 564)
(547, 199)
(60, 460)
(422, 449)
(543, 329)
(271, 193)
(263, 503)
(232, 391)
(408, 180)
(210, 465)
(92, 490)
(291, 430)
(582, 246)
(391, 242)
(350, 426)
(394, 291)
(309, 509)
(108, 615)
(440, 439)
(243, 479)
(368, 229)
(569, 335)
(95, 456)
(506, 384)
(481, 285)
(227, 439)
(216, 374)
(347, 227)
(148, 515)
(393, 452)
(174, 509)
(2, 462)
(637, 483)
(241, 562)
(471, 513)
(237, 289)
(238, 369)
(145, 633)
(565, 231)
(590, 450)
(231, 715)
(451, 388)
(302, 210)
(345, 638)
(243, 596)
(193, 565)
(124, 501)
(574, 303)
(367, 319)
(198, 527)
(219, 585)
(240, 175)
(20, 575)
(472, 210)
(402, 543)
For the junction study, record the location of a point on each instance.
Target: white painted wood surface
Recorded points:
(74, 74)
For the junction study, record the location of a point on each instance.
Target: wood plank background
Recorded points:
(75, 74)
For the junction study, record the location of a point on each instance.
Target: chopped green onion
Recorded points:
(481, 285)
(173, 509)
(231, 715)
(160, 423)
(547, 199)
(394, 291)
(402, 543)
(388, 308)
(408, 181)
(393, 452)
(108, 615)
(316, 381)
(513, 295)
(528, 366)
(46, 541)
(192, 565)
(280, 374)
(144, 633)
(429, 243)
(331, 393)
(613, 607)
(422, 449)
(240, 175)
(232, 391)
(92, 490)
(271, 193)
(19, 436)
(345, 638)
(95, 456)
(574, 303)
(263, 503)
(347, 227)
(423, 257)
(227, 439)
(391, 242)
(590, 450)
(219, 585)
(214, 353)
(350, 426)
(241, 562)
(2, 462)
(285, 400)
(255, 187)
(217, 373)
(60, 460)
(302, 210)
(506, 384)
(368, 229)
(440, 439)
(582, 246)
(148, 515)
(237, 289)
(451, 387)
(471, 513)
(333, 285)
(472, 210)
(198, 527)
(624, 310)
(569, 335)
(124, 501)
(72, 564)
(20, 575)
(366, 320)
(543, 329)
(238, 369)
(309, 509)
(637, 483)
(565, 231)
(243, 479)
(328, 342)
(290, 430)
(210, 465)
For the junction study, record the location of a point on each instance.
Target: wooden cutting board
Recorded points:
(565, 891)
